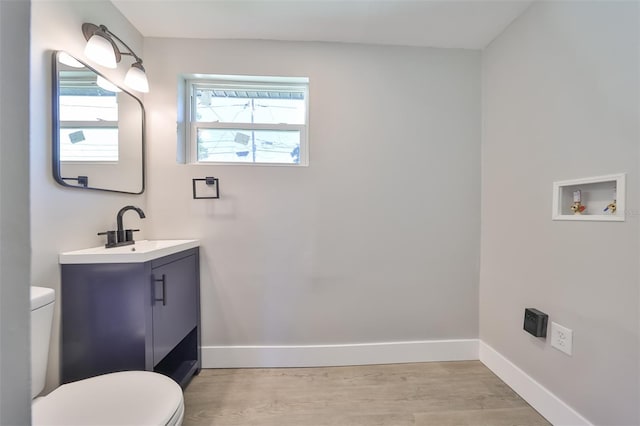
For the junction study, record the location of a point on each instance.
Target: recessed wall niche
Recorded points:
(600, 198)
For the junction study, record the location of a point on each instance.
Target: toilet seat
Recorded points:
(115, 399)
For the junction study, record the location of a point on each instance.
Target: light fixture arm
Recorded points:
(89, 30)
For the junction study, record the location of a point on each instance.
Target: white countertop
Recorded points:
(141, 251)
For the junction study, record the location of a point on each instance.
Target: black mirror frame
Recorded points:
(55, 125)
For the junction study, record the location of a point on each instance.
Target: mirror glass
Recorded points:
(98, 130)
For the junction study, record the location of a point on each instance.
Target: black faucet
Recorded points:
(125, 237)
(121, 237)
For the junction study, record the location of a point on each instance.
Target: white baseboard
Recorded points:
(339, 355)
(546, 403)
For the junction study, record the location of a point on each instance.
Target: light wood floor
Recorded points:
(435, 393)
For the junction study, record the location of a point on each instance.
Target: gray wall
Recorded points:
(15, 400)
(376, 241)
(64, 219)
(362, 246)
(560, 95)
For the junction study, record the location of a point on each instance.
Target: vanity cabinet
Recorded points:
(132, 316)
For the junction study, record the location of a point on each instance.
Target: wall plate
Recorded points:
(562, 338)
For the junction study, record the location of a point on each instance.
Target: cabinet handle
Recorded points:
(164, 289)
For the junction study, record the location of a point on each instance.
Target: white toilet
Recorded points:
(124, 398)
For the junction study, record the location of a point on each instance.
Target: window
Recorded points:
(88, 119)
(259, 122)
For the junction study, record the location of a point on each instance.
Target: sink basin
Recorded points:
(141, 251)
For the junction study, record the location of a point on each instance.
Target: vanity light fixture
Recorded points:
(102, 49)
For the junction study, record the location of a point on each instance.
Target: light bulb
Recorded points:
(100, 50)
(136, 78)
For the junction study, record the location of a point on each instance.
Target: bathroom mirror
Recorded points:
(98, 130)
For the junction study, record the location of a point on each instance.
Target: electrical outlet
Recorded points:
(562, 338)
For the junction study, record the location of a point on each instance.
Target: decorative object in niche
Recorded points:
(600, 198)
(611, 208)
(98, 130)
(102, 49)
(577, 207)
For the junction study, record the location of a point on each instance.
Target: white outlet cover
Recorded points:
(562, 338)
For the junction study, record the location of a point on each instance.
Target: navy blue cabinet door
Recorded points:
(104, 320)
(175, 305)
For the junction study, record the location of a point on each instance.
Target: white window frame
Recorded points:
(280, 84)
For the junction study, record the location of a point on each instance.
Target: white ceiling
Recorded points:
(444, 23)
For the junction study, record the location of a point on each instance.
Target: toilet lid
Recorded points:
(125, 398)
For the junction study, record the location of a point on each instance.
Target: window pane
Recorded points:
(94, 144)
(247, 146)
(246, 106)
(88, 108)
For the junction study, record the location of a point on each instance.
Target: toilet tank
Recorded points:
(41, 319)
